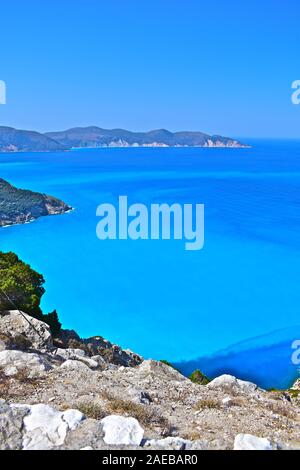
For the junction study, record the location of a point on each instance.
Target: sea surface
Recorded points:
(233, 306)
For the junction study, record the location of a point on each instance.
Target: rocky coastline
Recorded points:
(15, 140)
(65, 392)
(18, 206)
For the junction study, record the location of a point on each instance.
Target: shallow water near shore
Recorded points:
(155, 297)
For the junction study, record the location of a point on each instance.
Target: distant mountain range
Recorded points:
(20, 205)
(97, 137)
(13, 140)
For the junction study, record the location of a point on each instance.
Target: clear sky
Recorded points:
(218, 66)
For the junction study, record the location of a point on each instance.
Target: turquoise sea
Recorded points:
(232, 307)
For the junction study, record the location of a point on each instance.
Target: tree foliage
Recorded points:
(199, 378)
(21, 287)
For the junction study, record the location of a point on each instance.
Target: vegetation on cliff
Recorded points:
(21, 287)
(22, 205)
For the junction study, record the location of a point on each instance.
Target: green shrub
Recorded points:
(21, 284)
(22, 288)
(198, 377)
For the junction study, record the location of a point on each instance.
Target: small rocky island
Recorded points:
(21, 205)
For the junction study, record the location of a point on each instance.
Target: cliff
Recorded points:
(20, 205)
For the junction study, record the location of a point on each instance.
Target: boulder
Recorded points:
(99, 359)
(112, 353)
(13, 362)
(76, 355)
(159, 369)
(88, 434)
(228, 382)
(66, 338)
(46, 428)
(69, 353)
(119, 430)
(169, 443)
(98, 346)
(249, 442)
(198, 445)
(18, 326)
(138, 396)
(11, 425)
(75, 365)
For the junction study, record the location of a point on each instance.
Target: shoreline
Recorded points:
(13, 152)
(33, 219)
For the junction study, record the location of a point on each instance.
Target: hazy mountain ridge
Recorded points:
(97, 137)
(14, 140)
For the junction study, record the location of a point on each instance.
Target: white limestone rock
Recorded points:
(119, 430)
(46, 428)
(159, 369)
(250, 442)
(169, 443)
(76, 355)
(230, 382)
(75, 365)
(12, 323)
(69, 353)
(14, 361)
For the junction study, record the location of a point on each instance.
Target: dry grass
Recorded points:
(279, 409)
(238, 401)
(4, 386)
(294, 393)
(208, 404)
(89, 409)
(193, 435)
(277, 395)
(18, 385)
(147, 416)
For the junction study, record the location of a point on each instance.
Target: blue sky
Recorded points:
(218, 66)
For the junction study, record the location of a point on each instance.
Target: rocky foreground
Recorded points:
(69, 393)
(21, 205)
